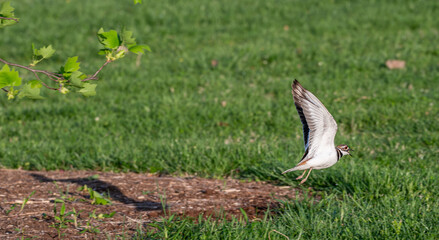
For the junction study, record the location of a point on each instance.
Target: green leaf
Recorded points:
(139, 49)
(146, 47)
(93, 177)
(32, 93)
(63, 209)
(34, 50)
(31, 90)
(46, 52)
(137, 1)
(40, 54)
(35, 84)
(127, 38)
(104, 52)
(97, 198)
(9, 78)
(8, 12)
(88, 90)
(75, 79)
(106, 215)
(109, 39)
(102, 201)
(71, 66)
(244, 214)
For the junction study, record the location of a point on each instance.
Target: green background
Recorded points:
(177, 113)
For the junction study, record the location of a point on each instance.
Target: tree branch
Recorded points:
(51, 75)
(5, 18)
(56, 77)
(93, 77)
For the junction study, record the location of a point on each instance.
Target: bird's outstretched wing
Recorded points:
(319, 127)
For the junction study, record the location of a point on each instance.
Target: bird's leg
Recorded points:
(304, 180)
(301, 176)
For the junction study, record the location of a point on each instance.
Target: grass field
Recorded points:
(177, 113)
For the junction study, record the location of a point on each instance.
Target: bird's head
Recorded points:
(345, 150)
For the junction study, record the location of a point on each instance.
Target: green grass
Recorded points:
(165, 115)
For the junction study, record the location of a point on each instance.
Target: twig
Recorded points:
(5, 18)
(93, 77)
(56, 77)
(51, 75)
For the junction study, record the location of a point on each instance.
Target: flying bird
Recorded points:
(319, 129)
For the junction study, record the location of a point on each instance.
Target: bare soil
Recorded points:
(137, 200)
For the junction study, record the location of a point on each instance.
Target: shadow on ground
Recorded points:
(102, 186)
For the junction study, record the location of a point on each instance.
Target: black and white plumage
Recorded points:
(319, 129)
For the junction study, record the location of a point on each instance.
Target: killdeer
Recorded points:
(319, 129)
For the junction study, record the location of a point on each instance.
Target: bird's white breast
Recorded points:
(324, 158)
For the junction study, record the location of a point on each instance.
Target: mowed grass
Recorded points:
(177, 113)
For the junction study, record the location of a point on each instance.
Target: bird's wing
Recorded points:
(319, 127)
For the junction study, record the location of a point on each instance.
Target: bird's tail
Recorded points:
(290, 170)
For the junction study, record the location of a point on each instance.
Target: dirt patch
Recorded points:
(137, 199)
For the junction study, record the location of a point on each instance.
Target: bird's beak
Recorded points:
(350, 154)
